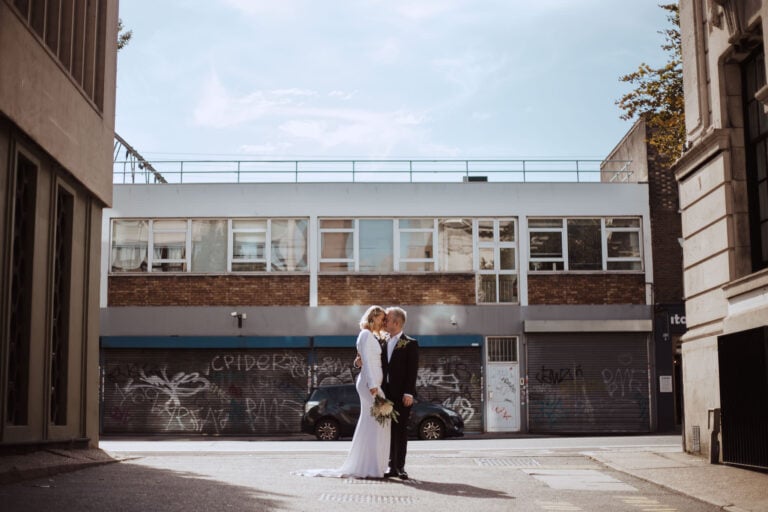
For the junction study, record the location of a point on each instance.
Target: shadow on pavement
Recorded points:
(131, 487)
(455, 489)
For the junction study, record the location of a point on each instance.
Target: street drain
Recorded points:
(518, 462)
(360, 498)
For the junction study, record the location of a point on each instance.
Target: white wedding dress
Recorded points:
(369, 455)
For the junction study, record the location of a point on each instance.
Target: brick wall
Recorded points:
(665, 229)
(196, 290)
(409, 289)
(553, 289)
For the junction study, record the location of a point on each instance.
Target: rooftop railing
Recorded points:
(141, 171)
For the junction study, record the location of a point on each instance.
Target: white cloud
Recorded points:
(342, 95)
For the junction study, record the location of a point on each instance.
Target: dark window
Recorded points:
(62, 265)
(21, 291)
(756, 134)
(584, 245)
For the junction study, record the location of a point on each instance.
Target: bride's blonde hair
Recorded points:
(367, 319)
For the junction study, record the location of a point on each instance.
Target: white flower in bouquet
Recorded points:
(383, 410)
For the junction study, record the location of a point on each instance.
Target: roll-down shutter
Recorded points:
(203, 391)
(588, 382)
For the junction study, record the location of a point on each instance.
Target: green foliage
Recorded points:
(123, 36)
(658, 94)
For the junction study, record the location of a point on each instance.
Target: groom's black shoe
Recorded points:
(402, 474)
(390, 473)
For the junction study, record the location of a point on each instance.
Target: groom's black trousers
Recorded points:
(399, 443)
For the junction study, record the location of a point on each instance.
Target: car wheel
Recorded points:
(327, 429)
(431, 428)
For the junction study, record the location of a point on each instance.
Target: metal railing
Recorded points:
(139, 170)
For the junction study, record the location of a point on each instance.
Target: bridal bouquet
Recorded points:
(383, 410)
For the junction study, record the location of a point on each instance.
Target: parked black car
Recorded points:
(332, 412)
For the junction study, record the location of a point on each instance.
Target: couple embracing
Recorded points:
(389, 362)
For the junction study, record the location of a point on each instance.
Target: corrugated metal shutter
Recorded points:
(202, 391)
(588, 382)
(451, 376)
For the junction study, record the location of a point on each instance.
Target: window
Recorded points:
(269, 245)
(289, 245)
(497, 261)
(416, 239)
(209, 245)
(502, 349)
(454, 245)
(756, 134)
(129, 245)
(591, 244)
(623, 244)
(169, 245)
(356, 245)
(546, 244)
(337, 250)
(249, 245)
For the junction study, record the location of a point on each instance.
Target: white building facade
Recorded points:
(223, 304)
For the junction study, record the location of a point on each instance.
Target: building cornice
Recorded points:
(712, 143)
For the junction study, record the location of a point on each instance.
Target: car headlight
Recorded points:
(310, 404)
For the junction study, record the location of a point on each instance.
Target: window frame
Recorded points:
(605, 231)
(231, 231)
(399, 261)
(497, 245)
(185, 261)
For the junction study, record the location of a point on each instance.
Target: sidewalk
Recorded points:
(733, 489)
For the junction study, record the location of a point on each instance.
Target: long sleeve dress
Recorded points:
(369, 455)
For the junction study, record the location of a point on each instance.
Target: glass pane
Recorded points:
(624, 265)
(543, 266)
(249, 224)
(507, 257)
(415, 245)
(376, 246)
(623, 244)
(507, 288)
(753, 115)
(337, 246)
(336, 224)
(248, 267)
(417, 266)
(761, 160)
(764, 241)
(584, 244)
(485, 230)
(289, 245)
(209, 246)
(506, 231)
(502, 349)
(623, 222)
(486, 288)
(171, 245)
(129, 245)
(417, 223)
(545, 223)
(169, 225)
(486, 258)
(546, 245)
(337, 266)
(455, 239)
(249, 246)
(762, 192)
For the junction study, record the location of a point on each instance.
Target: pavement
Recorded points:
(730, 488)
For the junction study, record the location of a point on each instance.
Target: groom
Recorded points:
(400, 362)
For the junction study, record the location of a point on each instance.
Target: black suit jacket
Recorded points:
(401, 371)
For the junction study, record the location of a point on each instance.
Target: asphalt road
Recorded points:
(527, 474)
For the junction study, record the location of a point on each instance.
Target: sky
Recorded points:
(380, 79)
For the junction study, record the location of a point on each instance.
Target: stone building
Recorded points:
(723, 182)
(57, 109)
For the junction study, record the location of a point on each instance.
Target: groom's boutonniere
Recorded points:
(401, 343)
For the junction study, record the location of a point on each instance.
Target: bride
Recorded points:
(368, 457)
